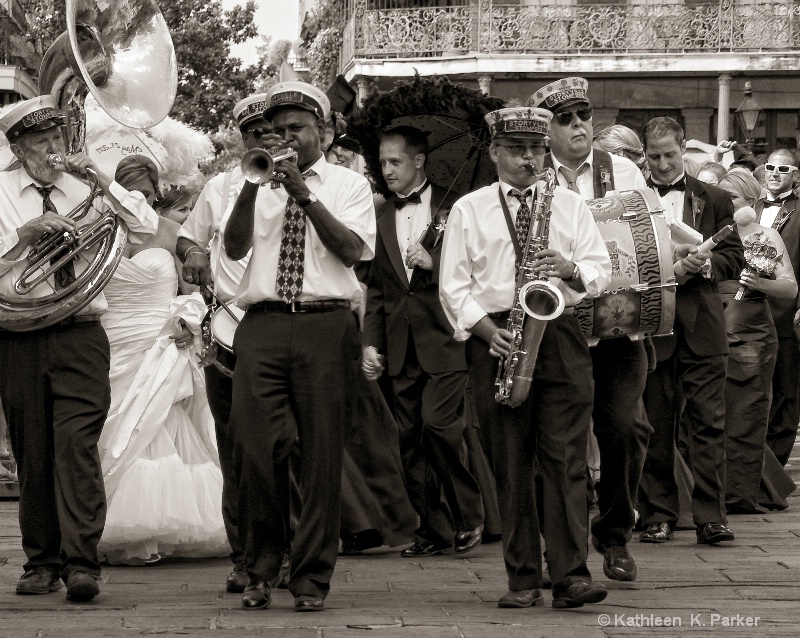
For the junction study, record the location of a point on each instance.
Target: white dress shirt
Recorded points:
(627, 175)
(411, 222)
(477, 275)
(206, 225)
(348, 197)
(769, 213)
(673, 201)
(20, 202)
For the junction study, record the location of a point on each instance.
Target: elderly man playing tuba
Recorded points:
(54, 380)
(485, 245)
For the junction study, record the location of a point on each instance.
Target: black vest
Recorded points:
(602, 171)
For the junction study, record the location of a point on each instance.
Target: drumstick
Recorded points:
(223, 304)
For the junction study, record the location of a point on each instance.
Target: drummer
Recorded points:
(204, 262)
(620, 364)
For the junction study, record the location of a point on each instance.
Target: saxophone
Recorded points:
(537, 301)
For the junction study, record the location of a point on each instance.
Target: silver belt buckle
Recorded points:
(292, 307)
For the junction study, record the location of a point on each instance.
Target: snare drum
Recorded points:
(223, 328)
(640, 299)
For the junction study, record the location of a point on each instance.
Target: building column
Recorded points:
(696, 124)
(723, 108)
(363, 89)
(485, 84)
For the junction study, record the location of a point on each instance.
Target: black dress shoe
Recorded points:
(522, 598)
(711, 533)
(256, 596)
(657, 533)
(618, 564)
(237, 580)
(81, 587)
(39, 580)
(467, 541)
(578, 594)
(309, 602)
(425, 548)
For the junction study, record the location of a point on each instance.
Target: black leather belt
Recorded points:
(568, 312)
(322, 305)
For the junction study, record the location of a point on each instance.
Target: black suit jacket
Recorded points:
(783, 309)
(698, 307)
(399, 309)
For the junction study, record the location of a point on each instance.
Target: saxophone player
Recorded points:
(483, 244)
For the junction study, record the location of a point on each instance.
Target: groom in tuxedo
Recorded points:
(406, 326)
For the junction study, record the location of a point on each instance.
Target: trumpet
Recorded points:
(258, 165)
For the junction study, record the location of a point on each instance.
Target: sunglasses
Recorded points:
(258, 133)
(565, 117)
(520, 149)
(779, 168)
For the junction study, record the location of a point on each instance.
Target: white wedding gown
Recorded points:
(160, 464)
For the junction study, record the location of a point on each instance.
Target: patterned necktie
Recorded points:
(291, 258)
(65, 275)
(523, 222)
(572, 176)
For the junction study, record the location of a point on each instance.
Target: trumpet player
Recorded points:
(297, 348)
(484, 243)
(54, 381)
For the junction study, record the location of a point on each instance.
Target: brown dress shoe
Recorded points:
(256, 596)
(657, 533)
(39, 580)
(521, 598)
(81, 587)
(309, 602)
(712, 533)
(578, 594)
(237, 580)
(467, 541)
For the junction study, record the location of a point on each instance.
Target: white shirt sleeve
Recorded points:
(138, 215)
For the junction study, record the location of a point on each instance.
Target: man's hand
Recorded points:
(552, 263)
(288, 174)
(692, 260)
(500, 343)
(417, 256)
(47, 223)
(724, 146)
(371, 363)
(78, 164)
(197, 269)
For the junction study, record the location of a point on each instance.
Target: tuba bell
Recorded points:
(122, 52)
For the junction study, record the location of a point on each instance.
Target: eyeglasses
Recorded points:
(258, 133)
(520, 149)
(780, 168)
(565, 117)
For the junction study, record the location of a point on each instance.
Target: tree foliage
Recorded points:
(210, 81)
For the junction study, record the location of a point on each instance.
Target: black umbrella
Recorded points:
(451, 114)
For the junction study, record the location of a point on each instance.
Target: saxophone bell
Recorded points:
(541, 300)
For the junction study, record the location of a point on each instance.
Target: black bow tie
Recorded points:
(775, 202)
(400, 202)
(663, 189)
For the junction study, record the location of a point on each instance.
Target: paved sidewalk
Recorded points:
(705, 590)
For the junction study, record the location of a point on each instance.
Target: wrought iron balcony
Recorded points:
(407, 28)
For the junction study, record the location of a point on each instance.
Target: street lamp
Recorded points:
(748, 113)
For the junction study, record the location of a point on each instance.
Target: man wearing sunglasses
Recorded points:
(778, 210)
(688, 385)
(620, 364)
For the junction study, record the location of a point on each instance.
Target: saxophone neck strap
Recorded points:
(510, 223)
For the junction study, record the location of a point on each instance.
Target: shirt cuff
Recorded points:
(471, 314)
(8, 242)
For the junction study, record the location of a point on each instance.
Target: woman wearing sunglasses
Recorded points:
(779, 211)
(753, 344)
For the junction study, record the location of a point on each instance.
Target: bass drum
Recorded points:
(640, 299)
(223, 323)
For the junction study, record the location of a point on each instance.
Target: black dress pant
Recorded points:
(784, 412)
(690, 390)
(550, 428)
(304, 364)
(622, 431)
(430, 415)
(56, 395)
(219, 390)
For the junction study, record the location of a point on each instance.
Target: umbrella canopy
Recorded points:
(451, 115)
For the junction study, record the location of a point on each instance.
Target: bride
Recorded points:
(160, 465)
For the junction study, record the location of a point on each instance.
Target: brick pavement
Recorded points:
(381, 595)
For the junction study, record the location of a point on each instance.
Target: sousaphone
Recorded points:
(120, 51)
